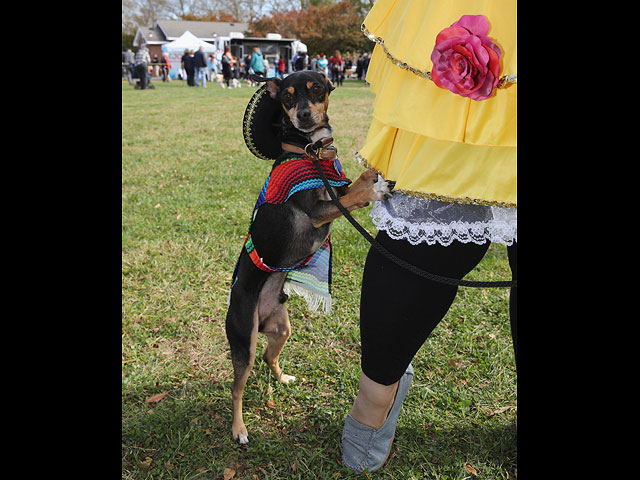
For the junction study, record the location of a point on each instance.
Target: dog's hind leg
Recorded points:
(242, 333)
(277, 329)
(274, 323)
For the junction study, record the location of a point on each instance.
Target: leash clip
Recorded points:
(315, 151)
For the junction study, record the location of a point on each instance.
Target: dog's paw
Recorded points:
(285, 379)
(382, 189)
(240, 434)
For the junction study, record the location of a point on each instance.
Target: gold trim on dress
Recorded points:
(504, 81)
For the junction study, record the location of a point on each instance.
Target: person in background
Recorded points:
(190, 68)
(211, 67)
(281, 67)
(246, 67)
(359, 63)
(322, 64)
(313, 64)
(348, 64)
(141, 66)
(299, 61)
(235, 71)
(129, 60)
(257, 62)
(166, 66)
(365, 66)
(336, 66)
(200, 64)
(156, 65)
(226, 61)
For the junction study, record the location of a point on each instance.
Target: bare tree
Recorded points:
(146, 12)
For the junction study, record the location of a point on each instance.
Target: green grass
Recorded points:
(188, 187)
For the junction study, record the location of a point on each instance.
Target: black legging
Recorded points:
(398, 309)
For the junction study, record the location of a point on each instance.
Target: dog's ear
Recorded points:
(273, 84)
(330, 86)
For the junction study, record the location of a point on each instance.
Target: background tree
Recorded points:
(324, 25)
(323, 28)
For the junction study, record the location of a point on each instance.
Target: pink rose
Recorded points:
(465, 60)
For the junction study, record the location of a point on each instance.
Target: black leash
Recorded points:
(311, 150)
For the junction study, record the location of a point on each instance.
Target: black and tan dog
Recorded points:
(284, 234)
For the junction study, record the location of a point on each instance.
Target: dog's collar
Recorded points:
(326, 152)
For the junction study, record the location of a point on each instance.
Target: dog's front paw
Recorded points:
(382, 189)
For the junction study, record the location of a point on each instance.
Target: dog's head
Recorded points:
(304, 97)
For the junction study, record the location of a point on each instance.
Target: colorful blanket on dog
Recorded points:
(311, 277)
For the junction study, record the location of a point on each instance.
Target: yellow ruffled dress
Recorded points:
(431, 141)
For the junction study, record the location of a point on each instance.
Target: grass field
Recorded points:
(188, 187)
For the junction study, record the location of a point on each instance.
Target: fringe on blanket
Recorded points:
(314, 299)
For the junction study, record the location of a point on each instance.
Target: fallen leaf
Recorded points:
(271, 403)
(490, 413)
(470, 469)
(228, 473)
(503, 409)
(156, 398)
(202, 469)
(146, 464)
(294, 467)
(456, 363)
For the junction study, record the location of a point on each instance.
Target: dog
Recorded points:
(284, 234)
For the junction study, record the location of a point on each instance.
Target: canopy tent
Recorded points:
(187, 40)
(299, 47)
(176, 49)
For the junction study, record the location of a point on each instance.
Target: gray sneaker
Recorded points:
(364, 447)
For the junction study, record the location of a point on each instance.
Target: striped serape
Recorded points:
(311, 277)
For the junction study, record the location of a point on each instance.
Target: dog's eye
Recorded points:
(287, 97)
(316, 89)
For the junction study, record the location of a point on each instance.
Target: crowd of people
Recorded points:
(197, 68)
(336, 67)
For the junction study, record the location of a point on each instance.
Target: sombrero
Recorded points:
(261, 126)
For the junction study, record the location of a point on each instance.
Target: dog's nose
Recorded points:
(303, 115)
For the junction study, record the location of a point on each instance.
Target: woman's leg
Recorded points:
(398, 311)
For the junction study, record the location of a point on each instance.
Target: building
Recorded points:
(165, 31)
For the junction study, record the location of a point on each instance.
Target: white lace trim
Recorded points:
(503, 231)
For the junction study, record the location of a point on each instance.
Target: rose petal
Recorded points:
(452, 31)
(476, 24)
(481, 56)
(494, 59)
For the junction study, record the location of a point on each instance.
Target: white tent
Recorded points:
(176, 49)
